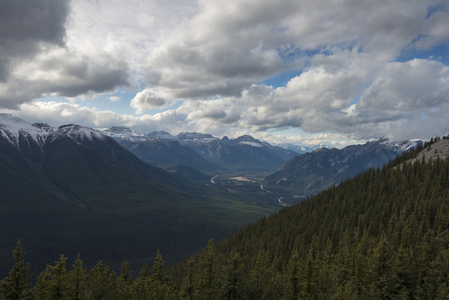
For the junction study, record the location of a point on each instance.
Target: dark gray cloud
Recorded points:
(25, 24)
(35, 20)
(36, 60)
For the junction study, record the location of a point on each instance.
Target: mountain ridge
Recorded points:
(312, 172)
(241, 154)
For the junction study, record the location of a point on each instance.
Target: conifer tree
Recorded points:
(77, 280)
(144, 272)
(142, 283)
(206, 280)
(52, 283)
(234, 278)
(158, 269)
(292, 280)
(100, 282)
(124, 283)
(259, 274)
(187, 284)
(126, 276)
(159, 286)
(17, 285)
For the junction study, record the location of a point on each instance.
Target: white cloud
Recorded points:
(405, 87)
(115, 98)
(146, 100)
(211, 57)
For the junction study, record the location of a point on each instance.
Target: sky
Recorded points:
(309, 72)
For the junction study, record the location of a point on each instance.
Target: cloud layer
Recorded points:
(353, 69)
(36, 60)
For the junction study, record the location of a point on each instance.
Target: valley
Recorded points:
(73, 189)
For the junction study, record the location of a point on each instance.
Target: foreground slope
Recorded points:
(382, 235)
(73, 190)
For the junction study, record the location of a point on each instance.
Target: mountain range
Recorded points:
(312, 172)
(73, 189)
(203, 152)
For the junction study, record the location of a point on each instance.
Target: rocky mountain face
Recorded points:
(312, 172)
(438, 149)
(210, 154)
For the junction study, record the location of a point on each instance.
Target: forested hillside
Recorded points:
(381, 235)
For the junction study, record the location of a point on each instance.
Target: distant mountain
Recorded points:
(159, 148)
(243, 154)
(74, 190)
(299, 148)
(195, 137)
(210, 154)
(312, 172)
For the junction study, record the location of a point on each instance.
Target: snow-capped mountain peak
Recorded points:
(125, 133)
(12, 128)
(80, 133)
(399, 146)
(195, 137)
(17, 131)
(249, 141)
(160, 135)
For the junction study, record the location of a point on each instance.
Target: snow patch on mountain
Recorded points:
(195, 137)
(125, 133)
(399, 146)
(160, 135)
(11, 128)
(80, 133)
(253, 144)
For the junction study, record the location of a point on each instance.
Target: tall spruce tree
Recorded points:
(77, 279)
(17, 285)
(52, 284)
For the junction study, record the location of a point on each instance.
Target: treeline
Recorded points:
(56, 282)
(382, 235)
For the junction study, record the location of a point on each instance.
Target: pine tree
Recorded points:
(259, 274)
(77, 280)
(158, 269)
(187, 284)
(234, 278)
(52, 283)
(124, 283)
(126, 276)
(159, 286)
(144, 272)
(17, 285)
(142, 284)
(100, 282)
(206, 280)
